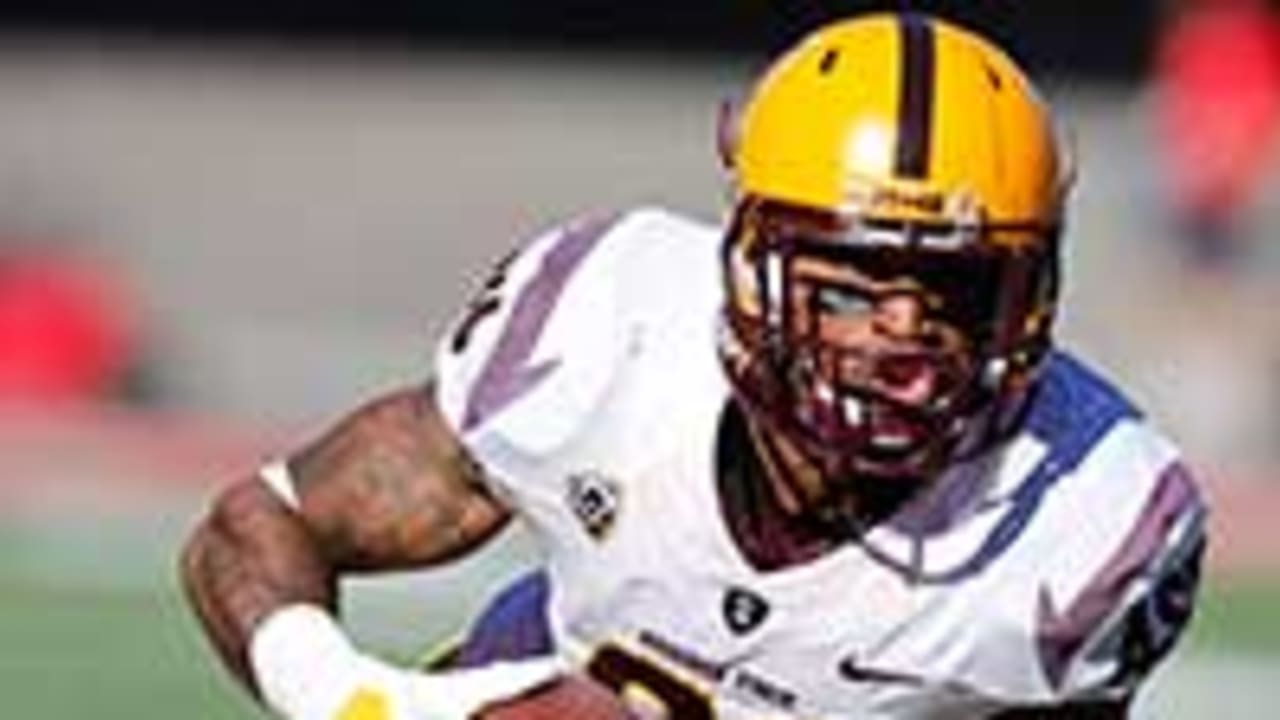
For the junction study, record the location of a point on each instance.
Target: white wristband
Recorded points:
(276, 476)
(307, 669)
(305, 666)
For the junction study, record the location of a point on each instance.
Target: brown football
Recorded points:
(574, 697)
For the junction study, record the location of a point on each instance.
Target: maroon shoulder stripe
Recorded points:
(509, 371)
(1062, 632)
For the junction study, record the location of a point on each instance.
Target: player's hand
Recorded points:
(307, 669)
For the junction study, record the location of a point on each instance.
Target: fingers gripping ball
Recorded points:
(575, 697)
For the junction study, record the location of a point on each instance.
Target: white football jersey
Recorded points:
(585, 380)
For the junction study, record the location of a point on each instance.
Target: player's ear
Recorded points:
(727, 134)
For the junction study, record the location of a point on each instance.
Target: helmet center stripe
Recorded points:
(915, 109)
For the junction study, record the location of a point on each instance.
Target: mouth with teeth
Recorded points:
(884, 410)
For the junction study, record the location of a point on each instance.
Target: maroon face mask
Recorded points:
(871, 347)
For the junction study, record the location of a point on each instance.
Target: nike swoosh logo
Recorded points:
(850, 669)
(509, 372)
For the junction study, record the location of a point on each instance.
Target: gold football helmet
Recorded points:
(885, 157)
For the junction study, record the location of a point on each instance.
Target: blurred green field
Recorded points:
(1238, 618)
(75, 652)
(93, 625)
(123, 653)
(108, 654)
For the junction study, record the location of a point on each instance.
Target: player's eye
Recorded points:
(842, 301)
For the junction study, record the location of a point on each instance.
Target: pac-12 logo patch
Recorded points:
(744, 610)
(594, 499)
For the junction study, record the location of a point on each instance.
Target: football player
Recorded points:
(824, 461)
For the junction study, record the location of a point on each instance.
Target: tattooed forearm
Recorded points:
(389, 487)
(250, 556)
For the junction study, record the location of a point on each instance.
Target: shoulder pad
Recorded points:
(1114, 601)
(532, 354)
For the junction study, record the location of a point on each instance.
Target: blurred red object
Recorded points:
(66, 330)
(1218, 100)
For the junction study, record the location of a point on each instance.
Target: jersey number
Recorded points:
(641, 682)
(485, 303)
